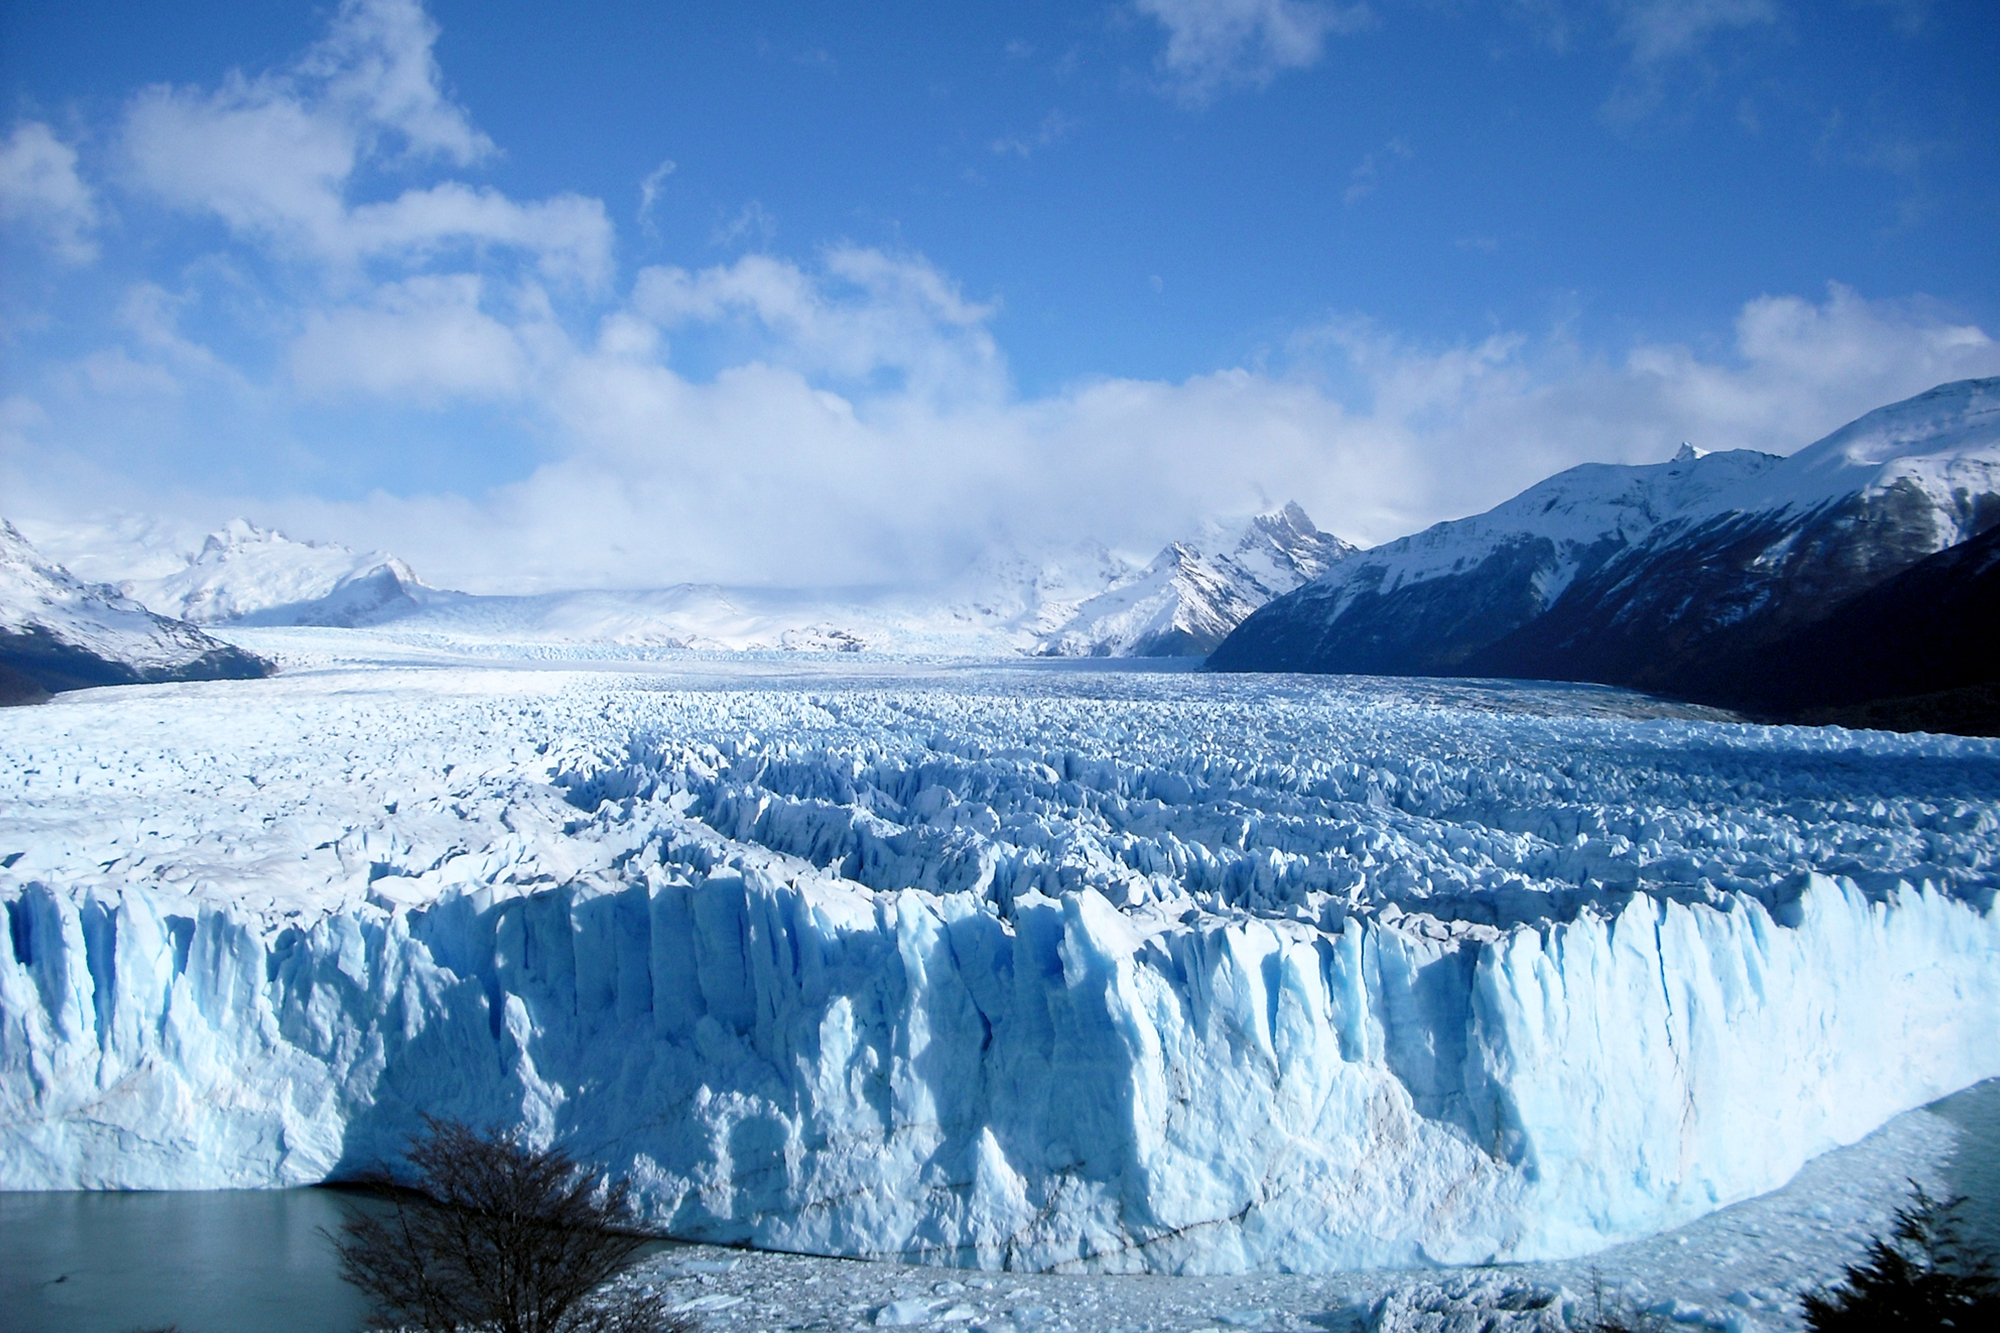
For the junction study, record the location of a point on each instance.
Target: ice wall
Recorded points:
(808, 1066)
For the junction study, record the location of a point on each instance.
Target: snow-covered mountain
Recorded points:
(1195, 592)
(249, 575)
(1680, 577)
(62, 633)
(1082, 599)
(1026, 596)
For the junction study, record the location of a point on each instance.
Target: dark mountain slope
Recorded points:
(1724, 579)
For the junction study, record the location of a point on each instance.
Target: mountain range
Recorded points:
(58, 632)
(1856, 580)
(1079, 600)
(1856, 572)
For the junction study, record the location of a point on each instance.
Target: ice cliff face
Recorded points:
(62, 633)
(1682, 577)
(1024, 970)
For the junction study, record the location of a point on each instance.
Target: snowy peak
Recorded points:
(1030, 595)
(64, 633)
(1080, 599)
(1195, 592)
(1278, 551)
(1686, 577)
(245, 574)
(1550, 533)
(1954, 420)
(1943, 446)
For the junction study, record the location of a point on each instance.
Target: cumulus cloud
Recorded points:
(1474, 424)
(426, 340)
(764, 473)
(275, 156)
(862, 312)
(1218, 44)
(39, 187)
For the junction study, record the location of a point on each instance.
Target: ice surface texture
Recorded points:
(1007, 968)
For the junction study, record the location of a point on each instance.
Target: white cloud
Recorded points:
(1666, 34)
(376, 66)
(275, 156)
(765, 474)
(864, 312)
(1477, 423)
(863, 425)
(1052, 130)
(1367, 175)
(1659, 30)
(426, 339)
(39, 187)
(1217, 44)
(752, 221)
(649, 189)
(568, 234)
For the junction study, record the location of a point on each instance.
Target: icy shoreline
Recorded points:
(1015, 969)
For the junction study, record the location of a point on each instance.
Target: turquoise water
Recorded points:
(221, 1261)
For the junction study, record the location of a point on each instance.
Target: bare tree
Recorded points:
(499, 1237)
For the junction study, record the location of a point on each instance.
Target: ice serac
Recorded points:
(58, 632)
(785, 1059)
(1686, 577)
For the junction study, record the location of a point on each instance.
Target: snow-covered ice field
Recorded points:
(1018, 966)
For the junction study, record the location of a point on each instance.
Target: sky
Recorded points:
(624, 295)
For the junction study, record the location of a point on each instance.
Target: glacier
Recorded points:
(1029, 967)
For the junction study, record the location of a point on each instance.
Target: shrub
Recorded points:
(499, 1237)
(1925, 1276)
(1620, 1318)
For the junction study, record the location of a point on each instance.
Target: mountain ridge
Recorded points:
(1684, 578)
(59, 632)
(1077, 600)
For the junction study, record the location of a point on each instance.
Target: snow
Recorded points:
(1944, 444)
(245, 573)
(1027, 967)
(40, 601)
(1194, 592)
(1581, 514)
(1078, 600)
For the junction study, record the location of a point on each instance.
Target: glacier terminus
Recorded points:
(1046, 965)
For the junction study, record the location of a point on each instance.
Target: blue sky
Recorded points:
(845, 293)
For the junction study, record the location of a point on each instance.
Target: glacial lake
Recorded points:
(216, 1261)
